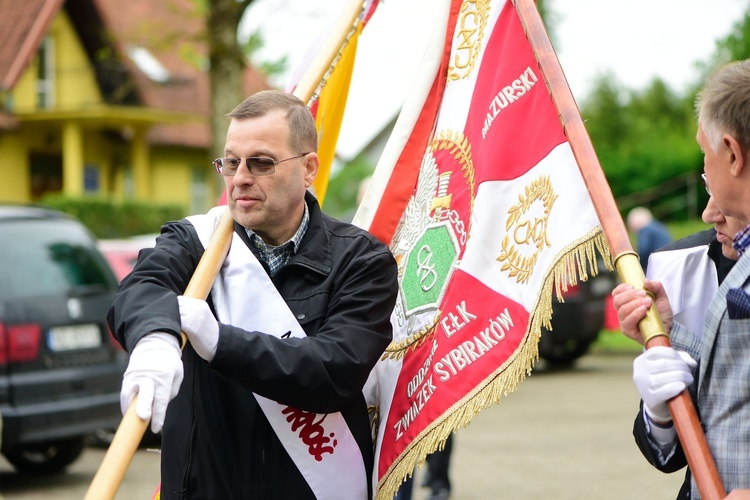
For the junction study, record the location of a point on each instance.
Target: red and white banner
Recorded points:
(484, 207)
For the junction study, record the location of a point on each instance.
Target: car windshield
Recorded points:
(40, 257)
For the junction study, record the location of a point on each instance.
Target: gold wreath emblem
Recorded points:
(457, 144)
(472, 21)
(525, 232)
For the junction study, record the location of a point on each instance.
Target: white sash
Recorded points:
(689, 278)
(321, 445)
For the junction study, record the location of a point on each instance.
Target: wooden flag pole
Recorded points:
(686, 421)
(129, 433)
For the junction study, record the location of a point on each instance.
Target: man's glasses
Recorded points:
(705, 184)
(257, 166)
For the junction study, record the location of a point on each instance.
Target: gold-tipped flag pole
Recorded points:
(683, 412)
(129, 433)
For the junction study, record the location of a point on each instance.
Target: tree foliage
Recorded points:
(736, 46)
(646, 137)
(642, 137)
(341, 197)
(227, 62)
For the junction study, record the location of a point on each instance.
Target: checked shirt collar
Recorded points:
(742, 240)
(277, 256)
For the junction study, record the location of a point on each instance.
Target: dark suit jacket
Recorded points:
(677, 461)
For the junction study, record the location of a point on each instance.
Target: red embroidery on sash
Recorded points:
(311, 432)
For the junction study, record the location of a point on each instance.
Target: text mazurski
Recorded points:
(508, 95)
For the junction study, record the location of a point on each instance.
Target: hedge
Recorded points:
(107, 219)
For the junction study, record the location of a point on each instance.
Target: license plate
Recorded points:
(68, 338)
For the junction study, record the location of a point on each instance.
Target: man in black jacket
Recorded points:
(691, 270)
(271, 404)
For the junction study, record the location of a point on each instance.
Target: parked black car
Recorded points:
(577, 321)
(60, 368)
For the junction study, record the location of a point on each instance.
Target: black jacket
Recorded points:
(677, 461)
(217, 443)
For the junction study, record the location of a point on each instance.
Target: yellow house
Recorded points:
(93, 102)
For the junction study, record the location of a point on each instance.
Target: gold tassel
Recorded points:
(571, 265)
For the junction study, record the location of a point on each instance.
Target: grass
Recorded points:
(613, 341)
(683, 228)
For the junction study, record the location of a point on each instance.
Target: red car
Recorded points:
(122, 254)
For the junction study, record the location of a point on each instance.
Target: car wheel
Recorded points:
(45, 458)
(563, 353)
(102, 438)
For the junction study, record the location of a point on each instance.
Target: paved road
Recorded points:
(563, 434)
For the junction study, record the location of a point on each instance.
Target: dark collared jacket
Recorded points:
(341, 285)
(678, 460)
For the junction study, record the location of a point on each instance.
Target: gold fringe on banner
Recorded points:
(332, 66)
(572, 265)
(397, 350)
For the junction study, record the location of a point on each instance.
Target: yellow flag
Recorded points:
(330, 113)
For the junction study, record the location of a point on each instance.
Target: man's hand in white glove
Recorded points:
(154, 373)
(660, 374)
(200, 325)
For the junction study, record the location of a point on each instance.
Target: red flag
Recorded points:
(484, 207)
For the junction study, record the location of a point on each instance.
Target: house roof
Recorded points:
(173, 33)
(23, 25)
(170, 31)
(7, 122)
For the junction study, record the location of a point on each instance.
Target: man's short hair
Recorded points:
(303, 137)
(638, 218)
(723, 105)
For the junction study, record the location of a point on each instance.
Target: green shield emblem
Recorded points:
(428, 267)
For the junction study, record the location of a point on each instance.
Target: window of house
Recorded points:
(91, 179)
(148, 64)
(45, 83)
(46, 174)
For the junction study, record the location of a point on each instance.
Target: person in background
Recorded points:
(266, 398)
(715, 366)
(436, 476)
(691, 270)
(650, 233)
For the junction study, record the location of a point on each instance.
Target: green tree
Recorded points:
(227, 62)
(661, 134)
(227, 58)
(643, 138)
(646, 137)
(736, 46)
(341, 197)
(604, 112)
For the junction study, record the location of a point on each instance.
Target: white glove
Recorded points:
(154, 373)
(200, 325)
(660, 374)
